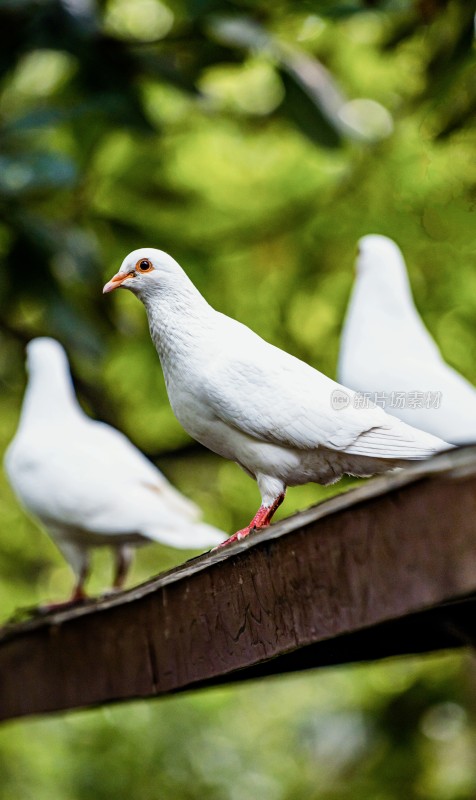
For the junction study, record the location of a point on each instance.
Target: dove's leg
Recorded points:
(78, 559)
(79, 592)
(124, 555)
(261, 519)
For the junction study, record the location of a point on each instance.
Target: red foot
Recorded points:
(78, 596)
(261, 519)
(238, 535)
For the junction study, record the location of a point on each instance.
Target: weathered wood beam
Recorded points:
(367, 574)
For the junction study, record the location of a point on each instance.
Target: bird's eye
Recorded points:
(144, 265)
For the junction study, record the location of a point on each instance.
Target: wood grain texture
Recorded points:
(364, 575)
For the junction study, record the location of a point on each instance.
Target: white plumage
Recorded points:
(386, 349)
(253, 403)
(85, 481)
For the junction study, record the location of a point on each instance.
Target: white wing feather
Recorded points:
(273, 396)
(101, 485)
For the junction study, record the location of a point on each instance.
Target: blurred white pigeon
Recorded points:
(86, 482)
(387, 352)
(253, 403)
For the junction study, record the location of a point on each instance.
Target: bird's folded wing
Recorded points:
(86, 486)
(276, 398)
(135, 466)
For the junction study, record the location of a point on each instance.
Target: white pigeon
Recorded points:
(85, 481)
(254, 404)
(387, 352)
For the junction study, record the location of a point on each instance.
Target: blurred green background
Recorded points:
(256, 142)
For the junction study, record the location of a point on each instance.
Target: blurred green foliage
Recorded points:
(256, 142)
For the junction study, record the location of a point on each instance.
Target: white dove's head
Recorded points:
(382, 272)
(143, 271)
(43, 353)
(379, 253)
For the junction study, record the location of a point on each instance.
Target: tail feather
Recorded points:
(399, 441)
(188, 536)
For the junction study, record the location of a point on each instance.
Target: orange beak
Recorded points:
(117, 281)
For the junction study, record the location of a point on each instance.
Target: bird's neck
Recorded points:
(179, 319)
(386, 313)
(50, 397)
(378, 305)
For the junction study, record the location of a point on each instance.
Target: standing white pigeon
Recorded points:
(85, 481)
(387, 352)
(253, 403)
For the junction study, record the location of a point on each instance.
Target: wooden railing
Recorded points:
(388, 568)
